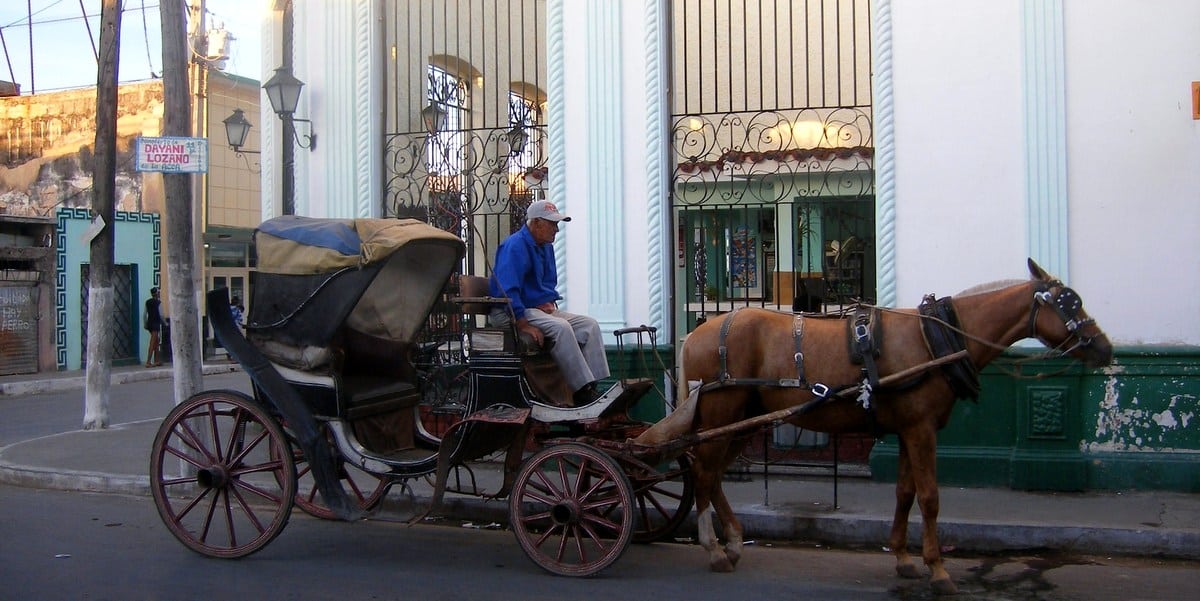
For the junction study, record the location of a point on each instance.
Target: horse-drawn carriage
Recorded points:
(352, 396)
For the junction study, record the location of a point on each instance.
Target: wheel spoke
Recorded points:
(581, 529)
(240, 496)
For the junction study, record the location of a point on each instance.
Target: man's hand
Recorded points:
(548, 308)
(532, 330)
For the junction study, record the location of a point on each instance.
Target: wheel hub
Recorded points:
(565, 512)
(213, 476)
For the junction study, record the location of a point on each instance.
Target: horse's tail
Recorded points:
(681, 420)
(681, 385)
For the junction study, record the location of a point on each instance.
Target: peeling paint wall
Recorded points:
(1144, 410)
(46, 149)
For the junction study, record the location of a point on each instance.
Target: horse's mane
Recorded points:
(989, 287)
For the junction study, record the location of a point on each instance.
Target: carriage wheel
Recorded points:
(365, 488)
(569, 509)
(216, 474)
(663, 497)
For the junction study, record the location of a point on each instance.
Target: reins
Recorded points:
(1066, 305)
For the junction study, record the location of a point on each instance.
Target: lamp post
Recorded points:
(283, 91)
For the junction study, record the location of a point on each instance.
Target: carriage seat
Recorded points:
(501, 332)
(349, 396)
(363, 396)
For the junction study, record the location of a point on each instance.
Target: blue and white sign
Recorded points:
(172, 155)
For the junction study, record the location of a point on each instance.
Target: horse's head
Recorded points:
(1065, 325)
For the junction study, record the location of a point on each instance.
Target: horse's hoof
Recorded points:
(733, 558)
(907, 570)
(721, 565)
(945, 586)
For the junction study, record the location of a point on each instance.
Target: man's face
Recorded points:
(543, 230)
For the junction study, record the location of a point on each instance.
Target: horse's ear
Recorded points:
(1036, 271)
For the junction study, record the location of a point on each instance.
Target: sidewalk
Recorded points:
(790, 508)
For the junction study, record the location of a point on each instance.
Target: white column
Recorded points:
(337, 48)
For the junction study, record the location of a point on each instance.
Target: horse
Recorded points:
(755, 361)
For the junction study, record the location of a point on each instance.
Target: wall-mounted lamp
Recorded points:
(283, 90)
(434, 117)
(236, 129)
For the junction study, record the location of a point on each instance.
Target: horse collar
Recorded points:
(942, 338)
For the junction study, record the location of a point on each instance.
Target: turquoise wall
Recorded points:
(138, 242)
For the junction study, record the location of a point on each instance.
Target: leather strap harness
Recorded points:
(942, 337)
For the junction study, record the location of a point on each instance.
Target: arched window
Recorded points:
(445, 117)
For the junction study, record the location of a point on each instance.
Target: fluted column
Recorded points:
(1045, 135)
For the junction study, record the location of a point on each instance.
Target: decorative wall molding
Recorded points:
(555, 124)
(1045, 135)
(658, 238)
(885, 152)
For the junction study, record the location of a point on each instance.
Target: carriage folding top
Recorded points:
(377, 277)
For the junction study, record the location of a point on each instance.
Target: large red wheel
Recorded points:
(221, 474)
(365, 489)
(570, 509)
(663, 497)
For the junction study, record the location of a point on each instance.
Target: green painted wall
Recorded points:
(1128, 426)
(651, 362)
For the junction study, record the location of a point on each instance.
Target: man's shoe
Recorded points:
(586, 395)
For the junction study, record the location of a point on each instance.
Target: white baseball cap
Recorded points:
(544, 209)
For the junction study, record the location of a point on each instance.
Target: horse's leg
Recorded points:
(905, 494)
(707, 468)
(921, 445)
(734, 535)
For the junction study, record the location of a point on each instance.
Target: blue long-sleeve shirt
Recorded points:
(525, 272)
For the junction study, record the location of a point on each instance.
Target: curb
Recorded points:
(757, 521)
(63, 384)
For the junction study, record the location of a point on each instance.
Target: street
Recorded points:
(75, 545)
(63, 545)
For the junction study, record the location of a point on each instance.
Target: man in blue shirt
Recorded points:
(526, 274)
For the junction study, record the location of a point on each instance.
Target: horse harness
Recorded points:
(864, 334)
(1066, 304)
(942, 334)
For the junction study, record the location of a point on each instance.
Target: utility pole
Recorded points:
(104, 183)
(181, 262)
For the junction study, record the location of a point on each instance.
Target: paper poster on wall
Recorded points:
(743, 262)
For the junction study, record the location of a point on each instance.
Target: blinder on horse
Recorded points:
(1067, 304)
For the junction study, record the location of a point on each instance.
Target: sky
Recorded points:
(63, 56)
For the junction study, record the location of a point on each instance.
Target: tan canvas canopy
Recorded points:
(302, 245)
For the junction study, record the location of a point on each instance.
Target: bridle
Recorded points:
(1065, 303)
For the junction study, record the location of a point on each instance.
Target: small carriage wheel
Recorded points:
(216, 474)
(365, 488)
(570, 509)
(663, 497)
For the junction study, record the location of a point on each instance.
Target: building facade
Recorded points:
(930, 146)
(46, 145)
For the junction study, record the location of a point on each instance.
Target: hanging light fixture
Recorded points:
(517, 139)
(434, 117)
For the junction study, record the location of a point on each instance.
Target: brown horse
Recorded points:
(758, 362)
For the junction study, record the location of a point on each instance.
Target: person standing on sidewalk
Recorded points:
(153, 324)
